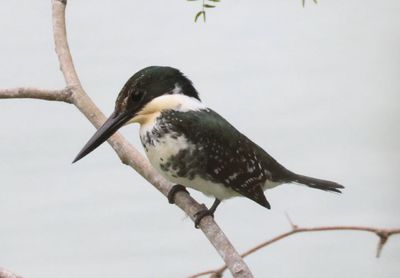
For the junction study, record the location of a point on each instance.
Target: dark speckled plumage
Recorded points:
(189, 141)
(221, 153)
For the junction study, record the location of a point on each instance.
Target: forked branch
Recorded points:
(383, 235)
(76, 95)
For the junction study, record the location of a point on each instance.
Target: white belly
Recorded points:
(161, 151)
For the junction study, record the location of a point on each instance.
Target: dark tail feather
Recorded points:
(318, 183)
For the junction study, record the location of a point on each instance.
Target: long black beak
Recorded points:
(112, 124)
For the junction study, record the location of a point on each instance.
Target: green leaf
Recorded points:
(208, 6)
(214, 0)
(315, 1)
(199, 14)
(304, 3)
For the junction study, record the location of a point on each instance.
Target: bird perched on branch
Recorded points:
(193, 146)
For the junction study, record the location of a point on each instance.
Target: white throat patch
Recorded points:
(176, 102)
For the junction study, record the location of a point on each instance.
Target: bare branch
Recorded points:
(383, 235)
(4, 273)
(130, 156)
(36, 93)
(61, 44)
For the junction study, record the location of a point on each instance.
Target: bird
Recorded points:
(191, 145)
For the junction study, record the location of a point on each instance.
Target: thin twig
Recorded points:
(36, 93)
(383, 235)
(130, 156)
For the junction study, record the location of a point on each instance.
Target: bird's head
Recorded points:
(146, 93)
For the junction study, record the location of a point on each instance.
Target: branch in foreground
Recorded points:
(4, 273)
(36, 93)
(383, 235)
(130, 156)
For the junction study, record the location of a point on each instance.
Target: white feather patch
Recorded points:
(177, 102)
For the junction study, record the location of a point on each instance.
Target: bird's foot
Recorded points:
(205, 212)
(173, 191)
(201, 214)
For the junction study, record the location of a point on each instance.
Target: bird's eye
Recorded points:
(137, 96)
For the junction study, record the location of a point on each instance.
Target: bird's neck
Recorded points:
(176, 102)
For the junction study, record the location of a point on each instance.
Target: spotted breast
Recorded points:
(193, 149)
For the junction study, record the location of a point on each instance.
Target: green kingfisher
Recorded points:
(193, 146)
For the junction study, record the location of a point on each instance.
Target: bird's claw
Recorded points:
(200, 215)
(173, 191)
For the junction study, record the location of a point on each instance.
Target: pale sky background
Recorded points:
(317, 87)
